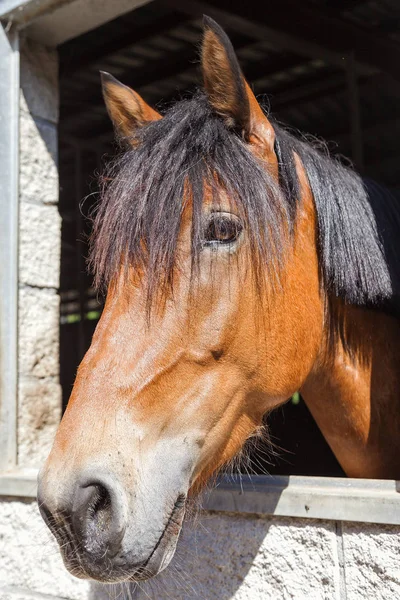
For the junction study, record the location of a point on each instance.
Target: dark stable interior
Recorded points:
(330, 70)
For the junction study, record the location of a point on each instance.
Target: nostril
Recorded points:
(99, 509)
(96, 520)
(90, 507)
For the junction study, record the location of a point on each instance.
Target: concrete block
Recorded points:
(372, 561)
(38, 160)
(39, 414)
(39, 245)
(39, 393)
(225, 557)
(30, 560)
(38, 340)
(39, 80)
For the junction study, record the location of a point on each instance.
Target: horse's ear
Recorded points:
(126, 108)
(228, 92)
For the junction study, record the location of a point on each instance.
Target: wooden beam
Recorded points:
(95, 46)
(338, 6)
(300, 28)
(283, 62)
(312, 89)
(306, 22)
(275, 39)
(257, 70)
(254, 71)
(170, 65)
(154, 70)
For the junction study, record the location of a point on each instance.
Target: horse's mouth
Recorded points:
(119, 568)
(165, 547)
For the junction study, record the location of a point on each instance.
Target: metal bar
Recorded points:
(355, 115)
(9, 176)
(337, 499)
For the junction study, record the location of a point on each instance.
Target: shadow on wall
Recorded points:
(226, 556)
(213, 557)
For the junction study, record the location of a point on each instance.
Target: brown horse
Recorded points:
(242, 265)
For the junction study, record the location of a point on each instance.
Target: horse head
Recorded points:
(213, 290)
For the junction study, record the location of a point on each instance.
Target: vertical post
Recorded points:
(355, 116)
(9, 200)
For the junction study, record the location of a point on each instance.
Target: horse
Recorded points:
(242, 264)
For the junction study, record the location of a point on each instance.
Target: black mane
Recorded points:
(139, 216)
(358, 224)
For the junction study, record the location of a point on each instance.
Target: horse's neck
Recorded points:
(353, 392)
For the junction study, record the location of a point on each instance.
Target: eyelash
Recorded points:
(222, 230)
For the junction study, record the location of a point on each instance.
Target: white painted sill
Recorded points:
(338, 499)
(362, 500)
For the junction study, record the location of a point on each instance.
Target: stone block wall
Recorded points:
(220, 556)
(39, 394)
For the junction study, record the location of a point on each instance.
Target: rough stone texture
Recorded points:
(247, 558)
(39, 397)
(29, 558)
(219, 557)
(38, 160)
(39, 80)
(40, 243)
(372, 561)
(38, 419)
(38, 341)
(39, 393)
(15, 593)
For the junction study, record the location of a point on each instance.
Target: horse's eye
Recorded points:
(222, 229)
